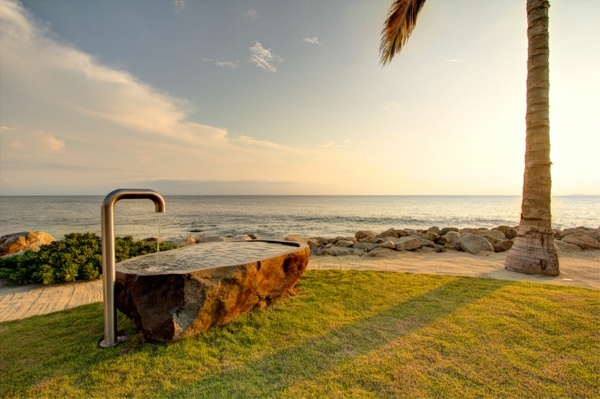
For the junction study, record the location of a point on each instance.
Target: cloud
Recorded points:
(37, 143)
(264, 58)
(33, 63)
(326, 144)
(392, 107)
(312, 40)
(104, 113)
(453, 60)
(53, 144)
(179, 5)
(6, 128)
(266, 144)
(223, 64)
(251, 13)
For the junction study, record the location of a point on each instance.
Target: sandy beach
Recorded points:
(578, 269)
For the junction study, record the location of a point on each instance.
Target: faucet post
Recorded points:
(109, 273)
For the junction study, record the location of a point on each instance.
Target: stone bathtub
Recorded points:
(183, 292)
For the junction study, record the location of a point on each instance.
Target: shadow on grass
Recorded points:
(272, 374)
(63, 346)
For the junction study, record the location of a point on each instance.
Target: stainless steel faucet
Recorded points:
(109, 273)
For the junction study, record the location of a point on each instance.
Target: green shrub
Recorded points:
(77, 257)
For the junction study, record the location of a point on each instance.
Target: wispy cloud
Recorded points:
(251, 13)
(392, 107)
(453, 60)
(326, 144)
(264, 58)
(104, 111)
(266, 144)
(312, 40)
(6, 128)
(222, 63)
(179, 5)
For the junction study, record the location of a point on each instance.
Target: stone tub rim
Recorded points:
(284, 248)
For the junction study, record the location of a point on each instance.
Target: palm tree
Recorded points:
(534, 251)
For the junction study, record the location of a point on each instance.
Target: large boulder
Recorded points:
(407, 243)
(362, 234)
(503, 245)
(564, 247)
(508, 231)
(188, 290)
(582, 240)
(474, 244)
(493, 236)
(26, 240)
(447, 229)
(393, 233)
(449, 237)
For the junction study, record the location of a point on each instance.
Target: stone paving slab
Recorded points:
(579, 270)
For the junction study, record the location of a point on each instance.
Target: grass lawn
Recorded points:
(345, 335)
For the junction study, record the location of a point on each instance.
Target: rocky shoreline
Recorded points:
(434, 240)
(372, 243)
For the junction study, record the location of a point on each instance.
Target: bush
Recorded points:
(77, 257)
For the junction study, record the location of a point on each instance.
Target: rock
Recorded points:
(492, 236)
(566, 247)
(342, 251)
(417, 233)
(388, 244)
(246, 237)
(407, 243)
(190, 241)
(570, 231)
(187, 294)
(362, 234)
(449, 237)
(389, 233)
(508, 231)
(445, 230)
(381, 252)
(431, 236)
(344, 243)
(373, 240)
(338, 238)
(434, 230)
(317, 241)
(474, 244)
(295, 238)
(365, 246)
(594, 233)
(425, 242)
(26, 240)
(502, 246)
(582, 240)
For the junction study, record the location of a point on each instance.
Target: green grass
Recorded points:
(345, 335)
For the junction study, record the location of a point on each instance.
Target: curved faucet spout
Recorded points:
(135, 193)
(109, 273)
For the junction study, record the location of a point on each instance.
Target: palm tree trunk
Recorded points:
(534, 251)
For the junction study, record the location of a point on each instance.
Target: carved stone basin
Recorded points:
(183, 292)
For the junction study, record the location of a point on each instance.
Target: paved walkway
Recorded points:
(580, 270)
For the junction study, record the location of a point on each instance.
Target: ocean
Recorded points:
(274, 217)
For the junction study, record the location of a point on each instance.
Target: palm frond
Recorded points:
(398, 26)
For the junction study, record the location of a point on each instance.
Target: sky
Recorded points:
(266, 97)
